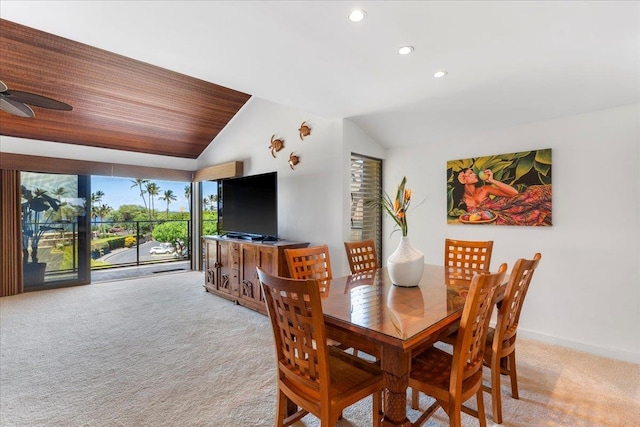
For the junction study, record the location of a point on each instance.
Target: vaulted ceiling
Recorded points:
(508, 63)
(118, 102)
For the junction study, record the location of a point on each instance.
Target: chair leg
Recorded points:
(415, 399)
(455, 415)
(281, 409)
(496, 393)
(481, 415)
(513, 374)
(377, 409)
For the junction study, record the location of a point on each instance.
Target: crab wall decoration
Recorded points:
(304, 130)
(293, 160)
(276, 145)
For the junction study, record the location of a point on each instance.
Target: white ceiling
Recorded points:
(508, 62)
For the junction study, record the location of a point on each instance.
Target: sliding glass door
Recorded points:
(55, 229)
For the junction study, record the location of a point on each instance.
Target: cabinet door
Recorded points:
(267, 261)
(229, 263)
(249, 286)
(211, 264)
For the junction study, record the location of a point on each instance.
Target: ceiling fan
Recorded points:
(15, 102)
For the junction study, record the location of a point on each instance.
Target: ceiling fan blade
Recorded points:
(36, 100)
(16, 108)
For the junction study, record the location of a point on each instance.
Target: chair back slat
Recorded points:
(474, 323)
(362, 256)
(296, 318)
(309, 263)
(511, 306)
(464, 258)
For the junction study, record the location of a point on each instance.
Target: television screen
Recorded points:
(249, 206)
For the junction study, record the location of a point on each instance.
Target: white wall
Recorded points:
(310, 198)
(10, 144)
(586, 291)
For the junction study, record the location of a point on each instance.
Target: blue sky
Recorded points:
(118, 191)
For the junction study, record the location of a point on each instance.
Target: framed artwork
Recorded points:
(503, 189)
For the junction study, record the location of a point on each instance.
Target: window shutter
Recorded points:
(366, 185)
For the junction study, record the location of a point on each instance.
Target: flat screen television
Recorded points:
(249, 207)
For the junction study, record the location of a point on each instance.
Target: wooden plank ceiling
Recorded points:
(118, 102)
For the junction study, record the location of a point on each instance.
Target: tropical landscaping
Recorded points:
(130, 224)
(51, 210)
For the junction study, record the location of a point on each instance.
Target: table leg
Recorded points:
(395, 366)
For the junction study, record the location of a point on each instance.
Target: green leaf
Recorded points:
(450, 202)
(481, 163)
(458, 165)
(546, 180)
(544, 156)
(524, 166)
(449, 177)
(520, 154)
(499, 165)
(542, 168)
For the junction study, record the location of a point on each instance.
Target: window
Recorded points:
(366, 186)
(210, 203)
(54, 229)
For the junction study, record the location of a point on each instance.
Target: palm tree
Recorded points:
(168, 197)
(103, 211)
(187, 195)
(65, 210)
(96, 198)
(139, 182)
(213, 202)
(37, 214)
(59, 192)
(95, 213)
(152, 190)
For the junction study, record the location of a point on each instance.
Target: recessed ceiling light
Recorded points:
(357, 15)
(439, 73)
(405, 50)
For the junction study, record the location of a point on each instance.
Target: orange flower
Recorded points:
(407, 195)
(397, 208)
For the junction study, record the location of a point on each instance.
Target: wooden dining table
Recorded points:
(392, 323)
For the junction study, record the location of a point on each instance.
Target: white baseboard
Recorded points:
(625, 356)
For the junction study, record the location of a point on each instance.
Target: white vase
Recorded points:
(406, 264)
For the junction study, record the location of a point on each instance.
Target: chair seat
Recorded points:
(316, 377)
(351, 380)
(349, 373)
(431, 374)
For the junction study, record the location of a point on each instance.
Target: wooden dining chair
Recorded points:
(312, 262)
(362, 256)
(464, 258)
(500, 352)
(452, 379)
(317, 378)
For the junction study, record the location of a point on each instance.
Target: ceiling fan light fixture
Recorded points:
(15, 102)
(357, 15)
(440, 73)
(405, 50)
(17, 109)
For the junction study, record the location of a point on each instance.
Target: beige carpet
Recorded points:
(160, 351)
